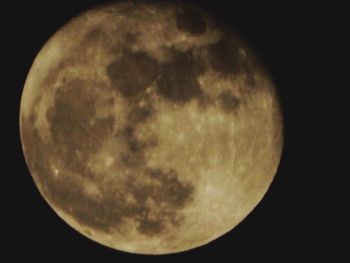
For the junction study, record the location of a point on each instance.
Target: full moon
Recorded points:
(149, 127)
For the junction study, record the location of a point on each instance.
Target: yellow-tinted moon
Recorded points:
(149, 128)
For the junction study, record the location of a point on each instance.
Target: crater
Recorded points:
(134, 146)
(228, 101)
(140, 112)
(94, 36)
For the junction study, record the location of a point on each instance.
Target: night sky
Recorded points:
(286, 224)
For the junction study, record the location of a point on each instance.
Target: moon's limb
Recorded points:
(142, 123)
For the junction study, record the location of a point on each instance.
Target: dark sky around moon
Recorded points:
(279, 223)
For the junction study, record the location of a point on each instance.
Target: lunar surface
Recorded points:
(150, 127)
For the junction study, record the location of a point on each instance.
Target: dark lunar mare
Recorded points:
(176, 80)
(224, 58)
(75, 139)
(132, 73)
(228, 101)
(190, 20)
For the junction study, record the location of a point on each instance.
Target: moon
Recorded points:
(150, 127)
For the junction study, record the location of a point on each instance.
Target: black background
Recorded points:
(287, 223)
